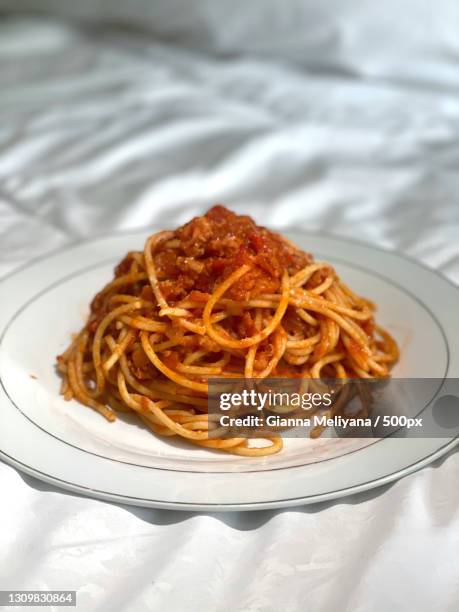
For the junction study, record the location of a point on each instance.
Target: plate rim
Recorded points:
(232, 507)
(288, 229)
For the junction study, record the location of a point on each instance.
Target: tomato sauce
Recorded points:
(205, 251)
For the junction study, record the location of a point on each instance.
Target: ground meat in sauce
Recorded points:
(202, 253)
(205, 251)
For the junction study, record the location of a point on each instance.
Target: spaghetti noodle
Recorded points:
(222, 297)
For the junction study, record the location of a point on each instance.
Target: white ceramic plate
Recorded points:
(72, 447)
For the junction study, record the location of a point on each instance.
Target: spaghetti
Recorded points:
(222, 297)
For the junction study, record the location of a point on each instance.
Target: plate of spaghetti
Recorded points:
(109, 346)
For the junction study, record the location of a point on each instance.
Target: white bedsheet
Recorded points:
(101, 129)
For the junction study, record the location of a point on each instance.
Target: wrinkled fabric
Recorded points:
(102, 129)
